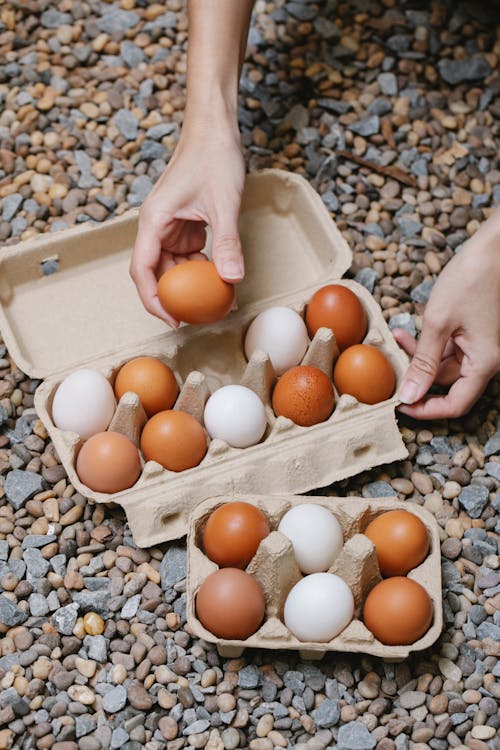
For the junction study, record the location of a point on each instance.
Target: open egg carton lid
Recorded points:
(275, 568)
(67, 302)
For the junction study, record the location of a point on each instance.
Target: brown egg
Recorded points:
(401, 541)
(195, 293)
(233, 532)
(363, 371)
(152, 380)
(230, 604)
(305, 395)
(336, 307)
(174, 439)
(398, 611)
(108, 462)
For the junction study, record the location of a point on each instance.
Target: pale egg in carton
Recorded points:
(67, 302)
(275, 568)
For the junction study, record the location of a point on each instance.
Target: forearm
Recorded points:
(218, 31)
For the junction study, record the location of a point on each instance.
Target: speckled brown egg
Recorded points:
(305, 395)
(108, 462)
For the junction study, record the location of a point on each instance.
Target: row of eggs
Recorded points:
(230, 603)
(84, 402)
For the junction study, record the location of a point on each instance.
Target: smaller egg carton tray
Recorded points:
(67, 302)
(275, 568)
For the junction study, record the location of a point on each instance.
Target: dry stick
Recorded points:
(394, 172)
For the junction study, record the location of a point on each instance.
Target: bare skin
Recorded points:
(203, 184)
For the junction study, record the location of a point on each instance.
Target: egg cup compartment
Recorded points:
(275, 567)
(96, 320)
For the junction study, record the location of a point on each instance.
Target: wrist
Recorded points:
(211, 114)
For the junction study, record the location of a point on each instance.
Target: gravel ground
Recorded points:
(392, 113)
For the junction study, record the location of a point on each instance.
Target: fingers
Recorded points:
(226, 249)
(461, 398)
(449, 367)
(424, 366)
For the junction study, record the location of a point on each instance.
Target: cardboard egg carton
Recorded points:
(86, 313)
(275, 567)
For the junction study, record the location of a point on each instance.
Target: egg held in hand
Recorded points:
(233, 533)
(195, 293)
(152, 380)
(108, 462)
(319, 607)
(316, 536)
(363, 371)
(398, 611)
(84, 403)
(401, 541)
(174, 439)
(282, 334)
(305, 395)
(236, 415)
(230, 604)
(336, 307)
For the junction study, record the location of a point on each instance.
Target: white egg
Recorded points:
(282, 334)
(235, 414)
(316, 536)
(84, 403)
(319, 607)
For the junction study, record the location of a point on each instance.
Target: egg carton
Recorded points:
(275, 568)
(67, 302)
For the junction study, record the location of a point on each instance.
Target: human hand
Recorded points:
(460, 341)
(202, 185)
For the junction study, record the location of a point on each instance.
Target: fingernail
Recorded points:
(231, 269)
(409, 392)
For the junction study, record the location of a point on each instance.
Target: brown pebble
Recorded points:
(138, 697)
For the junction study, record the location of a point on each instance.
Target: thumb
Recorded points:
(424, 366)
(226, 250)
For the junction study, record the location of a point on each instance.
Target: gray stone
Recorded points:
(119, 737)
(367, 277)
(157, 132)
(37, 566)
(197, 727)
(297, 117)
(368, 126)
(474, 499)
(249, 677)
(337, 106)
(131, 54)
(151, 150)
(412, 699)
(405, 321)
(21, 486)
(8, 661)
(11, 205)
(326, 28)
(327, 714)
(53, 19)
(419, 168)
(96, 584)
(477, 614)
(487, 578)
(115, 700)
(422, 292)
(38, 540)
(295, 681)
(492, 445)
(388, 84)
(92, 601)
(131, 606)
(65, 618)
(378, 489)
(140, 189)
(166, 21)
(457, 71)
(330, 200)
(10, 614)
(492, 468)
(38, 605)
(84, 725)
(97, 647)
(4, 550)
(409, 227)
(117, 21)
(173, 566)
(355, 736)
(58, 564)
(301, 11)
(127, 124)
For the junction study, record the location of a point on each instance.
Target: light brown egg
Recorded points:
(174, 439)
(195, 293)
(398, 611)
(230, 604)
(363, 371)
(305, 395)
(108, 462)
(152, 380)
(400, 540)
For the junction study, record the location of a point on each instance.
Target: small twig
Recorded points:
(394, 172)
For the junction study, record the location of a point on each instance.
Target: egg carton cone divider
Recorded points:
(86, 313)
(275, 567)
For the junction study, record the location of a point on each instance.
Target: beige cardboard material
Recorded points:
(275, 568)
(88, 314)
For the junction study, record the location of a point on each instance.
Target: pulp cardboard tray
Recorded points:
(275, 568)
(66, 302)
